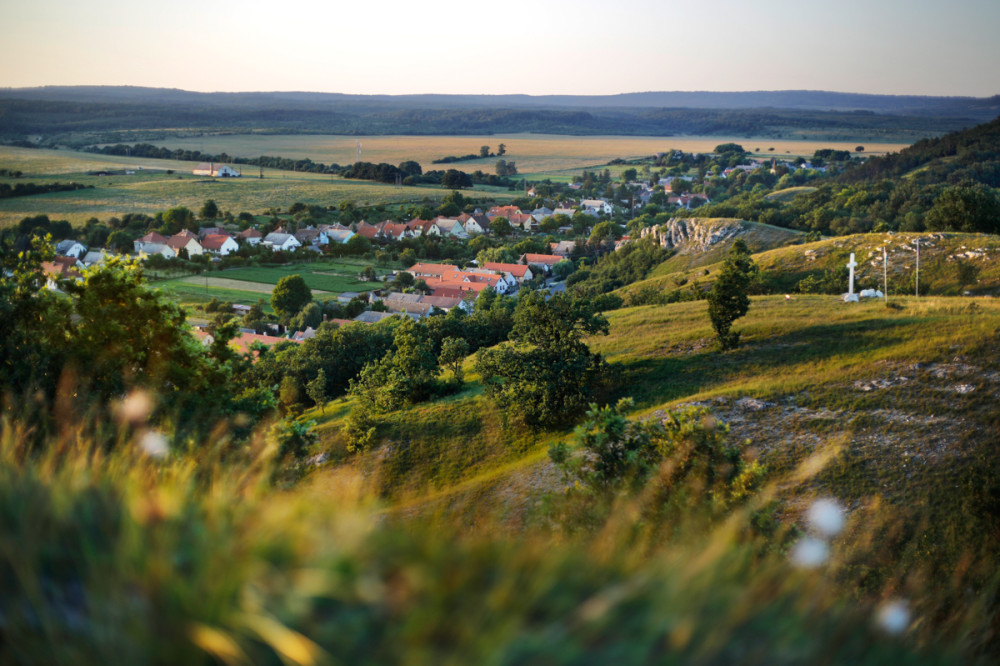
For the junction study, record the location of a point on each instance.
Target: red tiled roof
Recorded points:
(542, 259)
(214, 241)
(517, 270)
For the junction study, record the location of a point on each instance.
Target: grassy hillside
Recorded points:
(438, 546)
(151, 189)
(941, 255)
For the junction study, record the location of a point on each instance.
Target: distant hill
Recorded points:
(971, 154)
(56, 110)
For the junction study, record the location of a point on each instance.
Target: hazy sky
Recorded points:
(932, 47)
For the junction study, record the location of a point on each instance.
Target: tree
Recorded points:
(316, 389)
(484, 151)
(501, 226)
(859, 149)
(289, 296)
(728, 300)
(454, 179)
(545, 375)
(357, 245)
(563, 269)
(968, 207)
(453, 353)
(404, 279)
(501, 149)
(407, 257)
(209, 211)
(368, 273)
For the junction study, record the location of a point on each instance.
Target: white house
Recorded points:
(94, 257)
(156, 248)
(215, 170)
(70, 248)
(449, 227)
(220, 244)
(340, 236)
(598, 206)
(278, 241)
(251, 236)
(185, 240)
(477, 224)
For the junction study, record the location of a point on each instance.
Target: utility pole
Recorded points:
(885, 275)
(917, 280)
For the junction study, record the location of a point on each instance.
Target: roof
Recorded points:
(503, 211)
(177, 241)
(443, 302)
(368, 231)
(153, 237)
(372, 317)
(57, 269)
(215, 241)
(250, 233)
(517, 270)
(243, 341)
(542, 259)
(431, 269)
(279, 239)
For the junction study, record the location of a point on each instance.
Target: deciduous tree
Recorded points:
(729, 299)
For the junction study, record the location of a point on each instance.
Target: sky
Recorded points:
(535, 47)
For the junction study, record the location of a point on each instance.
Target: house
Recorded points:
(251, 237)
(418, 227)
(444, 303)
(372, 317)
(563, 248)
(94, 257)
(519, 272)
(546, 261)
(503, 211)
(71, 248)
(62, 268)
(476, 224)
(185, 240)
(568, 212)
(149, 249)
(542, 213)
(243, 342)
(220, 244)
(597, 206)
(365, 230)
(152, 238)
(340, 236)
(209, 231)
(398, 303)
(279, 241)
(502, 284)
(444, 226)
(688, 200)
(431, 270)
(523, 221)
(311, 236)
(394, 231)
(215, 170)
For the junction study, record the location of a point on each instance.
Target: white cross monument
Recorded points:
(850, 296)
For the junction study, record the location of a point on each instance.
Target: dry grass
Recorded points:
(533, 153)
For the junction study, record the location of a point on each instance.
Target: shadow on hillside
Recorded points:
(657, 380)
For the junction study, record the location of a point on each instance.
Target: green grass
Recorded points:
(319, 275)
(789, 193)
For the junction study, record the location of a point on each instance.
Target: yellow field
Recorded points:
(533, 153)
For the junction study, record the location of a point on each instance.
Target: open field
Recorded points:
(248, 285)
(150, 189)
(533, 153)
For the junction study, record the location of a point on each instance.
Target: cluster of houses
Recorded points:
(217, 241)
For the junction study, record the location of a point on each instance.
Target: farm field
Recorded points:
(534, 154)
(248, 285)
(151, 189)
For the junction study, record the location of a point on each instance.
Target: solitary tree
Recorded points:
(289, 296)
(501, 226)
(209, 211)
(484, 151)
(728, 300)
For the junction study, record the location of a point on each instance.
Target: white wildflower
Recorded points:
(810, 553)
(893, 617)
(826, 517)
(154, 445)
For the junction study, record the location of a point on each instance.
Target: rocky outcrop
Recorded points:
(693, 235)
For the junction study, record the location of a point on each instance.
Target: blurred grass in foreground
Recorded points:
(143, 556)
